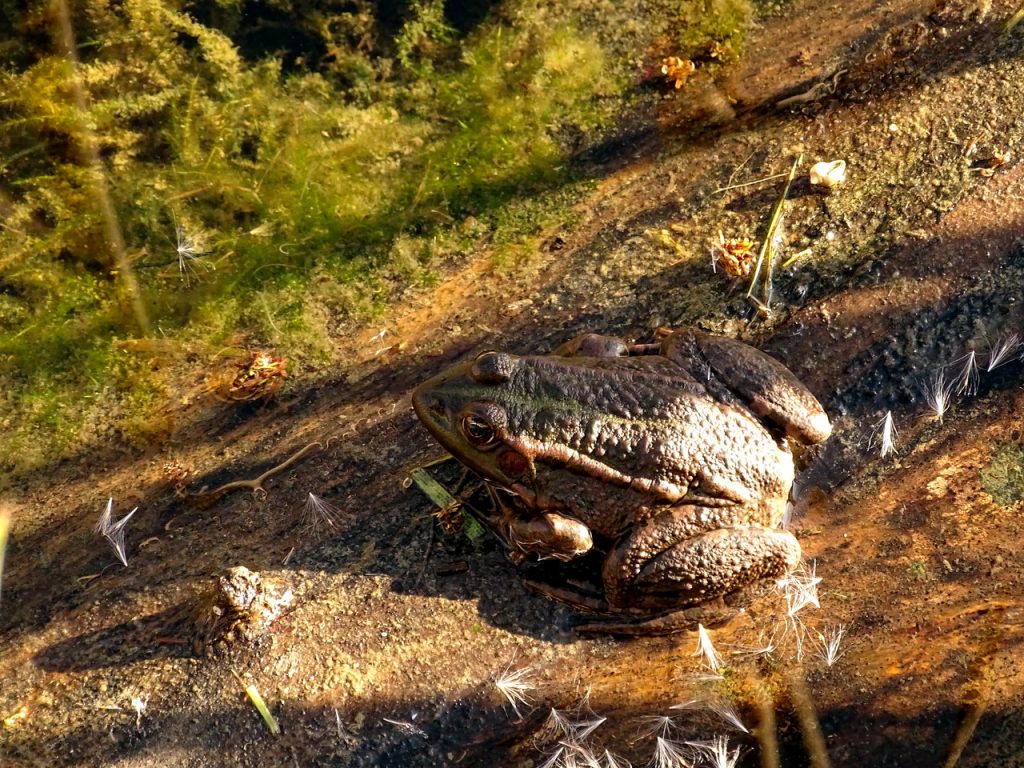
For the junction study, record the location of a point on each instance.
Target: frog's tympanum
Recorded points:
(668, 464)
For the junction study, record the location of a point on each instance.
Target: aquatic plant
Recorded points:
(1003, 477)
(254, 199)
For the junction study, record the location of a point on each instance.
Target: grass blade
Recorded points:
(5, 527)
(769, 246)
(261, 706)
(432, 489)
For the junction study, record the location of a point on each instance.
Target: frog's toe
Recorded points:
(577, 595)
(673, 622)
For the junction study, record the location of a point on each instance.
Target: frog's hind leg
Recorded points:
(657, 566)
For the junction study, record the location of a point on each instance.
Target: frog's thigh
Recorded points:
(697, 568)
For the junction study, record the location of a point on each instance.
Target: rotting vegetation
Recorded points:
(272, 180)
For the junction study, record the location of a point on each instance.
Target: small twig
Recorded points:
(817, 91)
(426, 556)
(205, 498)
(750, 183)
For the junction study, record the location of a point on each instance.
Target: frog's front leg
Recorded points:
(525, 532)
(661, 565)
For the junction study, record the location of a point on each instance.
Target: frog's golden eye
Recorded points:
(484, 424)
(479, 432)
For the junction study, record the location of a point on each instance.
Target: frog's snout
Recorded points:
(430, 408)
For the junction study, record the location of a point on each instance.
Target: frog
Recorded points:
(668, 465)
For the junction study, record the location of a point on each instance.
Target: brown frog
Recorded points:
(670, 461)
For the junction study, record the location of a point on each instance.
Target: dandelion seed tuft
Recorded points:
(113, 531)
(190, 255)
(318, 516)
(937, 394)
(706, 650)
(663, 725)
(611, 761)
(668, 754)
(800, 588)
(139, 705)
(966, 380)
(716, 752)
(889, 435)
(727, 712)
(515, 686)
(1002, 351)
(829, 640)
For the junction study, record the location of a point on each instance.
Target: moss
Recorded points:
(260, 199)
(713, 29)
(1003, 478)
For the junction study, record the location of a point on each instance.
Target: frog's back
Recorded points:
(646, 421)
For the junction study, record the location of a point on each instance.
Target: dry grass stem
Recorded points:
(206, 498)
(810, 727)
(5, 527)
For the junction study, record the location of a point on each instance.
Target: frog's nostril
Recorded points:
(428, 406)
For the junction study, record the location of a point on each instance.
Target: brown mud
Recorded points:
(386, 654)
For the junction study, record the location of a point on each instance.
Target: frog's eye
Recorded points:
(479, 432)
(483, 424)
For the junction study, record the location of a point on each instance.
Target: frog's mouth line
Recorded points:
(436, 416)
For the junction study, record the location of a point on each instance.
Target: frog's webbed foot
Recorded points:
(710, 614)
(575, 595)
